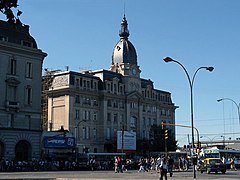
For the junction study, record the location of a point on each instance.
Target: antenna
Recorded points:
(124, 7)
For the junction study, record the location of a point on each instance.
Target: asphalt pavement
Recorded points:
(111, 175)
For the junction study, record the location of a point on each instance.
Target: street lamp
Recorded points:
(238, 105)
(191, 81)
(223, 141)
(211, 140)
(76, 136)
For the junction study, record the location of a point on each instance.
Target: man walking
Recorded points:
(163, 169)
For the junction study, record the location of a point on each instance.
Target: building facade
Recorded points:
(95, 105)
(20, 93)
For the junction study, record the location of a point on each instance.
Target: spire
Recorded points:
(124, 33)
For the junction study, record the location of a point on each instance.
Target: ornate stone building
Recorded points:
(20, 92)
(94, 105)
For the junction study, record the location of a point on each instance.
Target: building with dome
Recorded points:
(20, 95)
(95, 105)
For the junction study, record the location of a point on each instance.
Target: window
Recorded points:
(29, 70)
(81, 82)
(108, 87)
(77, 83)
(86, 115)
(121, 118)
(115, 104)
(26, 43)
(108, 116)
(144, 108)
(12, 93)
(87, 133)
(121, 90)
(154, 122)
(115, 88)
(95, 116)
(133, 105)
(77, 114)
(88, 84)
(115, 118)
(84, 132)
(108, 133)
(86, 101)
(95, 85)
(133, 122)
(13, 66)
(109, 103)
(149, 121)
(163, 112)
(154, 109)
(95, 103)
(94, 133)
(77, 99)
(168, 112)
(144, 121)
(144, 134)
(121, 105)
(28, 97)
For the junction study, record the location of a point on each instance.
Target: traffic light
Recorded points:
(166, 133)
(199, 145)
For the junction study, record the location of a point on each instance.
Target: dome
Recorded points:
(124, 51)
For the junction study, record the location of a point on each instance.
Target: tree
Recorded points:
(6, 8)
(158, 139)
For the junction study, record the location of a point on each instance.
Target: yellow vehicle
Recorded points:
(213, 165)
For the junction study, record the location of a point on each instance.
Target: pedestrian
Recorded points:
(232, 164)
(116, 164)
(163, 169)
(92, 163)
(170, 165)
(141, 165)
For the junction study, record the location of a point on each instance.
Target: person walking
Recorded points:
(170, 165)
(163, 169)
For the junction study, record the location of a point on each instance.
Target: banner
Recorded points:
(59, 142)
(129, 141)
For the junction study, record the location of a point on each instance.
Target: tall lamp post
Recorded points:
(238, 105)
(191, 81)
(76, 136)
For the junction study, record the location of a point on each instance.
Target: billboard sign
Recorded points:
(128, 143)
(59, 142)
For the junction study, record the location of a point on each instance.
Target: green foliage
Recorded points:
(6, 8)
(158, 140)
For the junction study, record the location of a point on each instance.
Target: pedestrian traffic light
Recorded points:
(166, 133)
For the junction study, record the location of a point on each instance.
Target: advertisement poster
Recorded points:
(129, 141)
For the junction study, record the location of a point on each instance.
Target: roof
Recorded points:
(124, 51)
(17, 34)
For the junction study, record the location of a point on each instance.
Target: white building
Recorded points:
(94, 105)
(20, 93)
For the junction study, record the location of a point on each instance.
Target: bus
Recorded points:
(105, 161)
(223, 153)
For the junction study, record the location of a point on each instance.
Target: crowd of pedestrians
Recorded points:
(37, 165)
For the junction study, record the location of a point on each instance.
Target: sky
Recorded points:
(81, 34)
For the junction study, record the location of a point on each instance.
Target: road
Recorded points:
(110, 175)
